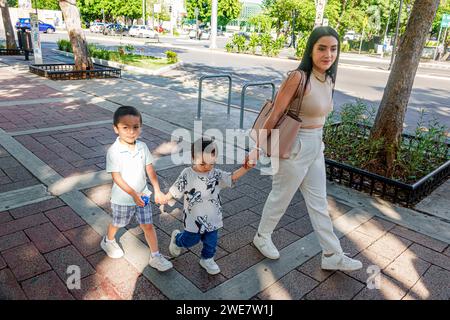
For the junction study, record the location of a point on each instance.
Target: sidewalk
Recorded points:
(54, 209)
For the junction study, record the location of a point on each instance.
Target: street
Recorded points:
(359, 77)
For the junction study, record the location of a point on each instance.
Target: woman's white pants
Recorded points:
(304, 170)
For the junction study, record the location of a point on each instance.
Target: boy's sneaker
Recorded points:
(266, 246)
(210, 265)
(340, 262)
(173, 248)
(160, 263)
(111, 248)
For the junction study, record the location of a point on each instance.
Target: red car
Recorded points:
(159, 29)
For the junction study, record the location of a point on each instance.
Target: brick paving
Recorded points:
(38, 242)
(13, 175)
(45, 115)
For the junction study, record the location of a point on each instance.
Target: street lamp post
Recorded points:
(213, 44)
(396, 34)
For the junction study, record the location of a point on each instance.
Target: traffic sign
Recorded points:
(445, 22)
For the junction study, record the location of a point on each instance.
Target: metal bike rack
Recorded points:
(244, 89)
(199, 110)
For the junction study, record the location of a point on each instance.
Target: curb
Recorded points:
(126, 67)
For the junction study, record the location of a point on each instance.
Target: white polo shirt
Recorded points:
(131, 166)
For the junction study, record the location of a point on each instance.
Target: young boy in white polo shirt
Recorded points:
(129, 160)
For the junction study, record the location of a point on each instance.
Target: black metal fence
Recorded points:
(389, 189)
(65, 71)
(13, 52)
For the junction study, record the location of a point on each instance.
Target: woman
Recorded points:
(305, 169)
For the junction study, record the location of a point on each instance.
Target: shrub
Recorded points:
(239, 43)
(229, 47)
(253, 42)
(129, 48)
(301, 45)
(348, 143)
(345, 47)
(64, 45)
(266, 44)
(172, 57)
(277, 45)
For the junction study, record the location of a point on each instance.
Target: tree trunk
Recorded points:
(9, 30)
(77, 38)
(391, 113)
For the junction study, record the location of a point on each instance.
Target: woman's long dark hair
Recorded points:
(307, 62)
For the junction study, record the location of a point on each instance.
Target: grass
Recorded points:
(124, 55)
(146, 62)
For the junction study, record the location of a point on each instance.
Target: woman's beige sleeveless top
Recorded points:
(317, 103)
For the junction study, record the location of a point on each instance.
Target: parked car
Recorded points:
(115, 29)
(25, 23)
(351, 35)
(97, 27)
(142, 31)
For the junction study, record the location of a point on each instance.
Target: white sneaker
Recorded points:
(340, 262)
(210, 265)
(266, 247)
(173, 248)
(111, 248)
(160, 263)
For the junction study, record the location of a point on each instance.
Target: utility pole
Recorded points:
(396, 34)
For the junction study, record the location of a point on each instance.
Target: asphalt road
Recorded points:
(359, 77)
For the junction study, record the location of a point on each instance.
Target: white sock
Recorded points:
(107, 240)
(154, 254)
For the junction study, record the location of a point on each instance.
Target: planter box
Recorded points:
(126, 67)
(64, 71)
(389, 189)
(14, 52)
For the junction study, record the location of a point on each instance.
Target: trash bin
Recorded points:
(24, 37)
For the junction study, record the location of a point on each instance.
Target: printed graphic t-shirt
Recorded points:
(202, 208)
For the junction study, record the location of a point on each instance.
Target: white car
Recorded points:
(142, 31)
(97, 27)
(352, 35)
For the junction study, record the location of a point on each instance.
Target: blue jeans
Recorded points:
(188, 239)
